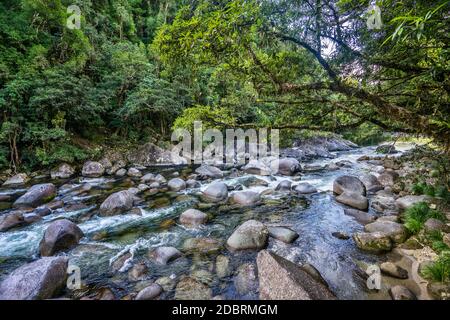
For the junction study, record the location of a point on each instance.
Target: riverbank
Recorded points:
(183, 232)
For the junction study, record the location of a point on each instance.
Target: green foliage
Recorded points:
(439, 270)
(210, 118)
(415, 217)
(435, 238)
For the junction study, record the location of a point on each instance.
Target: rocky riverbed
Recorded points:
(307, 231)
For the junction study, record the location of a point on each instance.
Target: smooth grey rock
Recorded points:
(38, 280)
(350, 184)
(286, 166)
(92, 169)
(283, 234)
(305, 188)
(215, 192)
(281, 279)
(246, 198)
(60, 235)
(435, 225)
(354, 200)
(134, 173)
(150, 292)
(393, 270)
(251, 234)
(360, 216)
(63, 171)
(284, 185)
(407, 202)
(36, 195)
(371, 183)
(117, 203)
(176, 184)
(193, 217)
(18, 179)
(164, 255)
(11, 220)
(396, 231)
(207, 171)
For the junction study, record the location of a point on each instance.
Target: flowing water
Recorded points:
(130, 236)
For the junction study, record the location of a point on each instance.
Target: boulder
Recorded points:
(376, 242)
(92, 169)
(284, 185)
(11, 220)
(150, 292)
(382, 202)
(121, 172)
(401, 293)
(134, 173)
(354, 200)
(215, 192)
(191, 289)
(176, 184)
(371, 183)
(18, 179)
(117, 203)
(207, 171)
(305, 188)
(149, 177)
(36, 195)
(60, 235)
(251, 234)
(63, 171)
(160, 179)
(193, 217)
(164, 255)
(281, 279)
(407, 202)
(393, 270)
(435, 225)
(388, 178)
(283, 234)
(360, 216)
(396, 231)
(286, 166)
(257, 167)
(246, 198)
(41, 279)
(350, 184)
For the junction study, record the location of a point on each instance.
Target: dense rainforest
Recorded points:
(136, 69)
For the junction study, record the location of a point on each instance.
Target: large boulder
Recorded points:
(305, 188)
(36, 195)
(251, 234)
(376, 242)
(350, 184)
(134, 173)
(354, 200)
(92, 169)
(257, 167)
(60, 235)
(193, 217)
(117, 203)
(396, 231)
(18, 179)
(371, 183)
(150, 154)
(63, 171)
(246, 198)
(383, 202)
(215, 192)
(284, 185)
(11, 220)
(388, 178)
(281, 279)
(41, 279)
(360, 216)
(286, 166)
(393, 270)
(176, 184)
(407, 202)
(207, 171)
